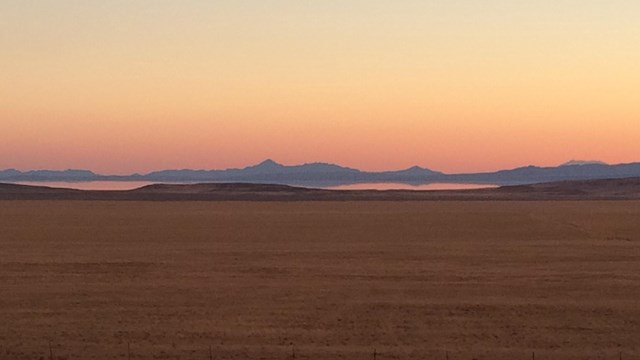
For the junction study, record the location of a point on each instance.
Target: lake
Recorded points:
(400, 186)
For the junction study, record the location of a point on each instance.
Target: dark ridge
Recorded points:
(216, 187)
(611, 189)
(18, 189)
(601, 187)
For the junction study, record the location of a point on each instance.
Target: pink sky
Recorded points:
(125, 87)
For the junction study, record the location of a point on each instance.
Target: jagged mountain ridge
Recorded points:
(321, 174)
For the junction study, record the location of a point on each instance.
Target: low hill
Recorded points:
(607, 188)
(610, 189)
(9, 189)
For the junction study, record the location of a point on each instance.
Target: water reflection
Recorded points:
(89, 185)
(400, 186)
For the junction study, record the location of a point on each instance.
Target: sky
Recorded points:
(124, 86)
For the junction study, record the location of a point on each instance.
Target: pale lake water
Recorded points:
(400, 186)
(90, 185)
(130, 185)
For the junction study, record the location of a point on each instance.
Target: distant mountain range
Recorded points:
(323, 174)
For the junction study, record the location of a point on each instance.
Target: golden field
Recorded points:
(319, 280)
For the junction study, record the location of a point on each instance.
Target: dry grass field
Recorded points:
(414, 280)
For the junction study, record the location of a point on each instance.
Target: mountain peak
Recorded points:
(417, 170)
(269, 163)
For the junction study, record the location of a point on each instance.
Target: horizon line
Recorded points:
(572, 162)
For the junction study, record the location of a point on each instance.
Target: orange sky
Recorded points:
(454, 85)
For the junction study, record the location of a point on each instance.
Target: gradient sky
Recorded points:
(455, 85)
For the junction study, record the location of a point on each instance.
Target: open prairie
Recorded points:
(319, 280)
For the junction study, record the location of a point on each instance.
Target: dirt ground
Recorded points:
(319, 280)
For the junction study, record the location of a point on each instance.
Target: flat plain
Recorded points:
(320, 280)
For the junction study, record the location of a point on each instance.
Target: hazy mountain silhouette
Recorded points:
(9, 173)
(535, 174)
(267, 171)
(324, 174)
(48, 175)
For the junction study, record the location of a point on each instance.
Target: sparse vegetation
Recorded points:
(321, 280)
